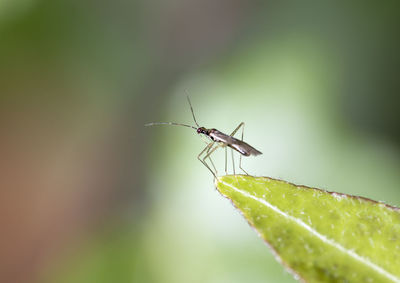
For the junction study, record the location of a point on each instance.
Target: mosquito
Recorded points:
(217, 140)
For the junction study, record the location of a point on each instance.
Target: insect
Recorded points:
(218, 140)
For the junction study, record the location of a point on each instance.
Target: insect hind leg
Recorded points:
(237, 128)
(241, 125)
(240, 159)
(226, 163)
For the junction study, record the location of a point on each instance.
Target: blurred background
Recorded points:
(87, 194)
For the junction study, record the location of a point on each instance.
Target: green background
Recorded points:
(90, 195)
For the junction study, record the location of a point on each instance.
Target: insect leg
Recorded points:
(209, 152)
(226, 163)
(237, 128)
(202, 161)
(240, 159)
(233, 162)
(212, 163)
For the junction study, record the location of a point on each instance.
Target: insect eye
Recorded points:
(201, 130)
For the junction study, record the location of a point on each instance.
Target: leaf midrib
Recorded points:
(321, 237)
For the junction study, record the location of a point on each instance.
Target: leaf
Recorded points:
(320, 236)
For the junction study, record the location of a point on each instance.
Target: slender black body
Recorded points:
(238, 145)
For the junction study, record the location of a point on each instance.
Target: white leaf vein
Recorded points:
(323, 238)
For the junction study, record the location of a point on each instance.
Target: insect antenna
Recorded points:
(168, 123)
(191, 109)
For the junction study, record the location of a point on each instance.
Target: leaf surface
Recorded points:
(317, 235)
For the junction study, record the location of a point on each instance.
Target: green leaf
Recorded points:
(317, 235)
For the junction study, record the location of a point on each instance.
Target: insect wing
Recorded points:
(244, 148)
(238, 145)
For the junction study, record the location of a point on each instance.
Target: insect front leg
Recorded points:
(207, 148)
(210, 151)
(212, 163)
